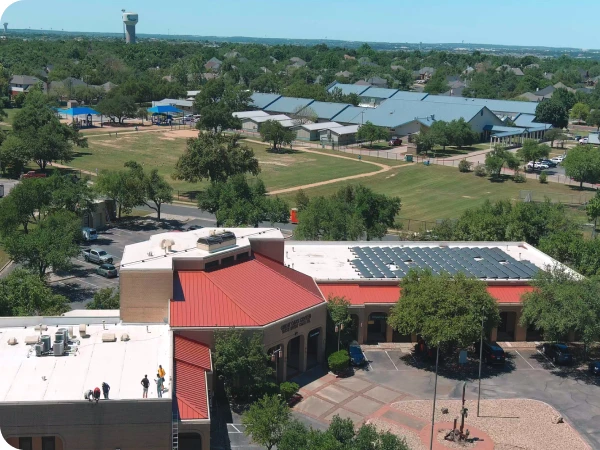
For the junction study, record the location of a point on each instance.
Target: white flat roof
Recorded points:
(121, 364)
(330, 261)
(248, 114)
(348, 129)
(150, 255)
(261, 119)
(320, 126)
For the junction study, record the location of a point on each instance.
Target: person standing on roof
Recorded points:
(161, 372)
(105, 389)
(145, 384)
(159, 385)
(96, 394)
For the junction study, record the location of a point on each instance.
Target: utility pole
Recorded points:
(480, 357)
(437, 358)
(338, 329)
(275, 357)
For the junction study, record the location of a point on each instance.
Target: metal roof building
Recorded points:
(505, 107)
(351, 114)
(379, 93)
(407, 95)
(261, 101)
(528, 121)
(349, 88)
(288, 105)
(326, 110)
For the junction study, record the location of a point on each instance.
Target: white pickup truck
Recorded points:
(97, 256)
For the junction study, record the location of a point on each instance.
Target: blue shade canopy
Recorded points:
(80, 111)
(163, 109)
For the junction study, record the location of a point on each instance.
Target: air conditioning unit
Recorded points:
(46, 343)
(217, 241)
(59, 348)
(38, 350)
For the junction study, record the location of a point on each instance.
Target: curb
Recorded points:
(9, 263)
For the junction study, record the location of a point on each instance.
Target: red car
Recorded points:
(395, 142)
(33, 174)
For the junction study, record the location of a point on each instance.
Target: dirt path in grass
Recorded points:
(382, 168)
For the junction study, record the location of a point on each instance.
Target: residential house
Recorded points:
(362, 83)
(395, 67)
(344, 74)
(348, 88)
(318, 79)
(349, 58)
(468, 71)
(425, 73)
(265, 70)
(210, 76)
(532, 66)
(213, 64)
(273, 60)
(23, 83)
(518, 72)
(232, 55)
(297, 62)
(378, 82)
(548, 75)
(364, 61)
(584, 74)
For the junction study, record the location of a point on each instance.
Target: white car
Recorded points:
(540, 166)
(583, 140)
(558, 159)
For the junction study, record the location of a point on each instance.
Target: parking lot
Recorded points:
(80, 283)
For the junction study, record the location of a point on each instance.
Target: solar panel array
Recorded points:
(479, 262)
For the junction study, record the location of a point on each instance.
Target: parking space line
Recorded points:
(102, 278)
(524, 359)
(79, 280)
(236, 429)
(547, 359)
(368, 359)
(388, 355)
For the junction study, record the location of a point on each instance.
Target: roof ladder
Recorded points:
(175, 431)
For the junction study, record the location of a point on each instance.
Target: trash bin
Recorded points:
(408, 158)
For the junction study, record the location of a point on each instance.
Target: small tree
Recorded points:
(425, 141)
(142, 114)
(580, 112)
(593, 209)
(465, 166)
(532, 150)
(338, 361)
(303, 115)
(583, 164)
(273, 131)
(124, 187)
(444, 309)
(117, 107)
(241, 361)
(23, 293)
(288, 390)
(440, 133)
(266, 420)
(460, 133)
(594, 118)
(554, 134)
(106, 298)
(371, 133)
(543, 178)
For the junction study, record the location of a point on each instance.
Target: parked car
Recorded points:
(395, 142)
(357, 357)
(558, 159)
(540, 166)
(583, 141)
(594, 367)
(491, 353)
(89, 234)
(32, 174)
(107, 270)
(548, 162)
(97, 256)
(194, 227)
(558, 353)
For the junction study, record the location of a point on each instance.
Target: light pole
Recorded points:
(437, 358)
(338, 329)
(480, 357)
(124, 35)
(275, 357)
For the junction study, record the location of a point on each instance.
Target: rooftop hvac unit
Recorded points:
(65, 334)
(29, 340)
(216, 241)
(59, 337)
(12, 341)
(82, 330)
(46, 343)
(38, 349)
(59, 348)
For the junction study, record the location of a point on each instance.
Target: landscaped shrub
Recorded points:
(480, 170)
(338, 361)
(464, 166)
(519, 177)
(288, 389)
(543, 177)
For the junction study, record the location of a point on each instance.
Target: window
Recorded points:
(48, 443)
(25, 443)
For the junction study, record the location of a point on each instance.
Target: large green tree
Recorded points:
(563, 302)
(124, 187)
(236, 202)
(51, 244)
(352, 213)
(215, 157)
(266, 420)
(217, 101)
(117, 107)
(105, 298)
(460, 134)
(554, 134)
(580, 112)
(593, 209)
(497, 159)
(23, 293)
(242, 363)
(445, 310)
(532, 150)
(594, 118)
(273, 131)
(155, 191)
(371, 133)
(583, 164)
(552, 112)
(43, 138)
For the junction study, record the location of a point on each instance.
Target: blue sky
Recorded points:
(553, 23)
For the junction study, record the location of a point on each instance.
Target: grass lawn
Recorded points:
(386, 161)
(161, 150)
(437, 192)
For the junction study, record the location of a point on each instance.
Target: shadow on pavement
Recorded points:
(221, 415)
(449, 367)
(309, 376)
(74, 292)
(146, 224)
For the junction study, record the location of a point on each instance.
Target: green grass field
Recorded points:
(161, 150)
(437, 192)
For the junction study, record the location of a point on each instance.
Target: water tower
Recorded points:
(5, 27)
(130, 20)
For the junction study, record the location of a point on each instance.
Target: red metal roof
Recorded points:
(190, 391)
(358, 294)
(192, 352)
(250, 293)
(307, 282)
(192, 361)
